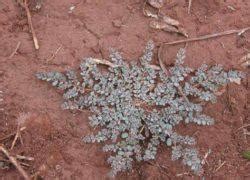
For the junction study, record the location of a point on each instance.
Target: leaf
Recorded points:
(182, 31)
(158, 25)
(166, 27)
(169, 20)
(149, 12)
(156, 3)
(163, 22)
(246, 155)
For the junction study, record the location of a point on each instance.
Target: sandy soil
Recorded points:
(53, 136)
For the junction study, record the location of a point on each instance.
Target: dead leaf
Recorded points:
(147, 11)
(170, 20)
(156, 3)
(158, 25)
(245, 60)
(166, 27)
(235, 80)
(183, 31)
(162, 21)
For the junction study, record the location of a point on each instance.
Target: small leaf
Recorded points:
(246, 155)
(124, 135)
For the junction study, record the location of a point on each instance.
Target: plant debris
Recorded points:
(245, 61)
(156, 3)
(24, 4)
(189, 6)
(15, 163)
(166, 27)
(163, 22)
(210, 36)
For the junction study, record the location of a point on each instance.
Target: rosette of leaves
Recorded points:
(137, 106)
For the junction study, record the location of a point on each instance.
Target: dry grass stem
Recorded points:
(15, 163)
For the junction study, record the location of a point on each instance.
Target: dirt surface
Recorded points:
(53, 136)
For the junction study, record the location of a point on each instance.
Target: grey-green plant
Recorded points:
(137, 107)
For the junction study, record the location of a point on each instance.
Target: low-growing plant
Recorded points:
(137, 106)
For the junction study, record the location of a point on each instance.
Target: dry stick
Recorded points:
(15, 163)
(18, 135)
(209, 36)
(12, 134)
(244, 130)
(110, 64)
(220, 166)
(205, 157)
(244, 126)
(24, 4)
(54, 54)
(182, 174)
(21, 163)
(15, 51)
(189, 6)
(104, 62)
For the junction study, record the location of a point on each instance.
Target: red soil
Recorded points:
(53, 136)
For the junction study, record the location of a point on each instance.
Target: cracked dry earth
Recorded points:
(69, 30)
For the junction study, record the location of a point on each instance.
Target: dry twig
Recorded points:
(205, 157)
(15, 50)
(209, 36)
(182, 174)
(220, 166)
(242, 127)
(18, 135)
(24, 4)
(15, 163)
(54, 54)
(189, 6)
(110, 64)
(103, 62)
(12, 134)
